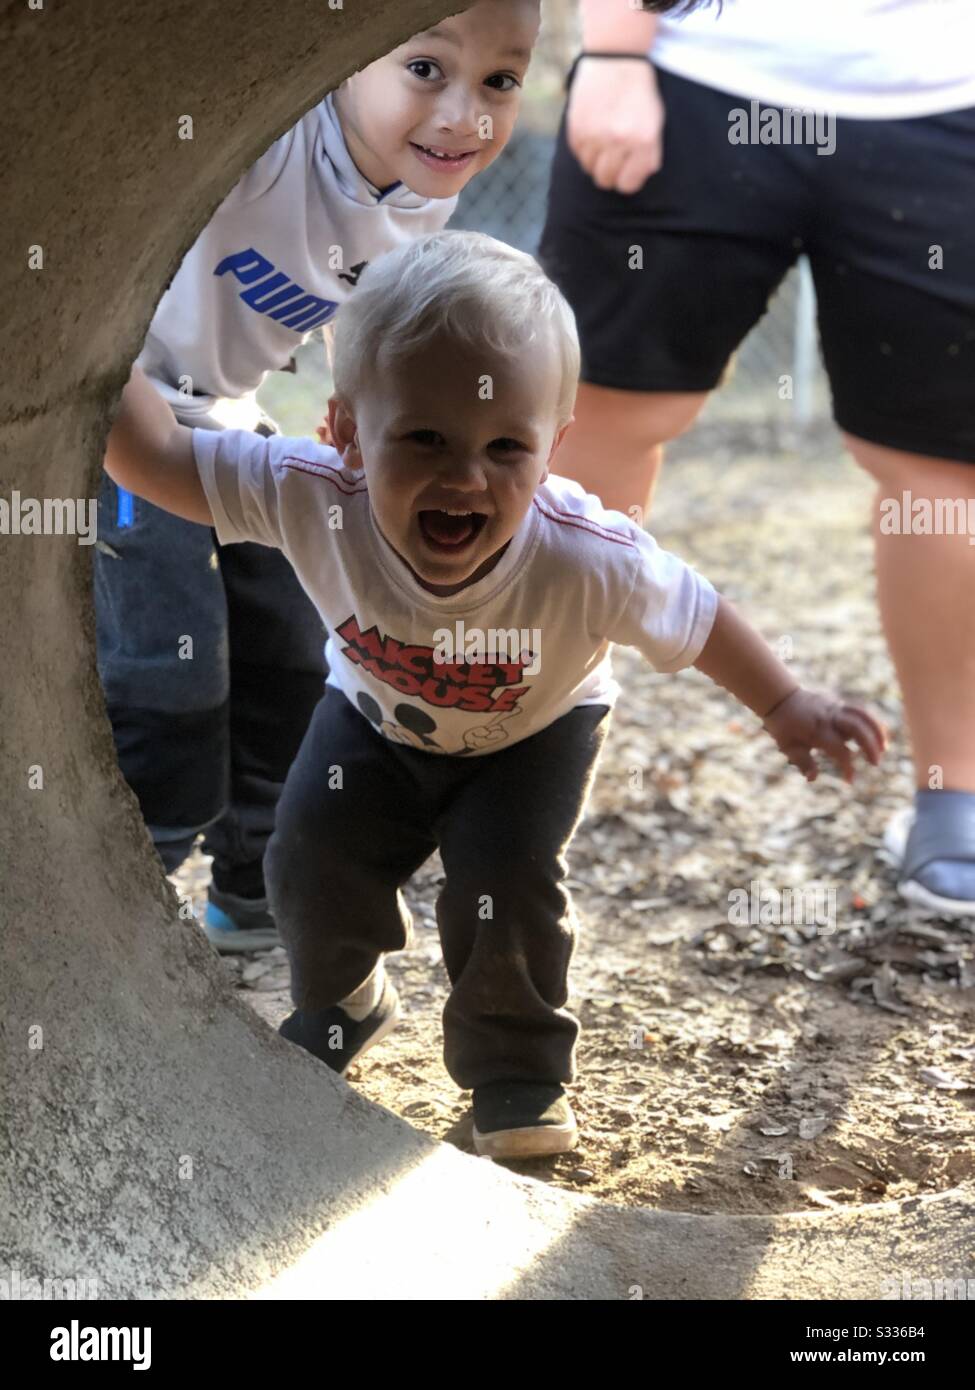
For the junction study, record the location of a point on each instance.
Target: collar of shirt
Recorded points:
(465, 600)
(354, 184)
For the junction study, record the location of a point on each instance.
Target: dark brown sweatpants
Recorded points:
(345, 844)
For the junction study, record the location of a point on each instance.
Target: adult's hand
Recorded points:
(615, 122)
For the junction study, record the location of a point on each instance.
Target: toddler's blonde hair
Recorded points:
(465, 283)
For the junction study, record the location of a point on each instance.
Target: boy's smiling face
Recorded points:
(428, 98)
(431, 446)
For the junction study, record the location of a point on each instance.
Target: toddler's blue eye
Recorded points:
(507, 444)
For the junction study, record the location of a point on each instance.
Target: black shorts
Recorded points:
(720, 225)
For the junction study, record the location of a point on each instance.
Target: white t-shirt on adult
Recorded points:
(276, 260)
(572, 580)
(868, 59)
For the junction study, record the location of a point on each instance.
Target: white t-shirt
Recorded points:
(573, 579)
(279, 255)
(868, 59)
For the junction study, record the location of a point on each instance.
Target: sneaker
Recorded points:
(935, 857)
(238, 925)
(522, 1119)
(335, 1038)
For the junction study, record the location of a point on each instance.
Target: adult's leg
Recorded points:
(505, 916)
(615, 447)
(926, 589)
(893, 257)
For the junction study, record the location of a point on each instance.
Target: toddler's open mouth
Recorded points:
(437, 157)
(450, 531)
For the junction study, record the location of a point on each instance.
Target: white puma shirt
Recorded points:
(868, 59)
(426, 670)
(276, 260)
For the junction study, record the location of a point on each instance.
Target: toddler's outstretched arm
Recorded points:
(151, 454)
(799, 720)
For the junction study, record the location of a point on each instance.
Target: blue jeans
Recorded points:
(212, 661)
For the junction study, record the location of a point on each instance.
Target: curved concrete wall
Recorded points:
(157, 1138)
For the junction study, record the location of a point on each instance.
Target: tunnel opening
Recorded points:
(159, 1136)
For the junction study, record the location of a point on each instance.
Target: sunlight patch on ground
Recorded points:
(491, 1233)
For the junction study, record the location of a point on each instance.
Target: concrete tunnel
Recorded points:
(157, 1136)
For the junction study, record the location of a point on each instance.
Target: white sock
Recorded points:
(363, 1000)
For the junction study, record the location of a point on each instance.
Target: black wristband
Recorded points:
(596, 53)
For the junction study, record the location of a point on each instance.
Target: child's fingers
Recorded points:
(833, 745)
(800, 756)
(854, 723)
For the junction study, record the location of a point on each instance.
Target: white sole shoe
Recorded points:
(522, 1119)
(538, 1141)
(896, 835)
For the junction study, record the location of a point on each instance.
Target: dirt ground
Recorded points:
(728, 1066)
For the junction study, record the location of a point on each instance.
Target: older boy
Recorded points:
(456, 366)
(212, 659)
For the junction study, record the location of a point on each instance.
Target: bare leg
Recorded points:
(926, 586)
(614, 449)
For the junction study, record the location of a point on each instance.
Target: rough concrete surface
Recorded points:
(161, 1139)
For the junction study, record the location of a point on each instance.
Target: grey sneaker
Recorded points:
(239, 925)
(522, 1119)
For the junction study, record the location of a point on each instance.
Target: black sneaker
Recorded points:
(239, 925)
(335, 1038)
(522, 1119)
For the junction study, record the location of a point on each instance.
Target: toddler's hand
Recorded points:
(324, 433)
(806, 720)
